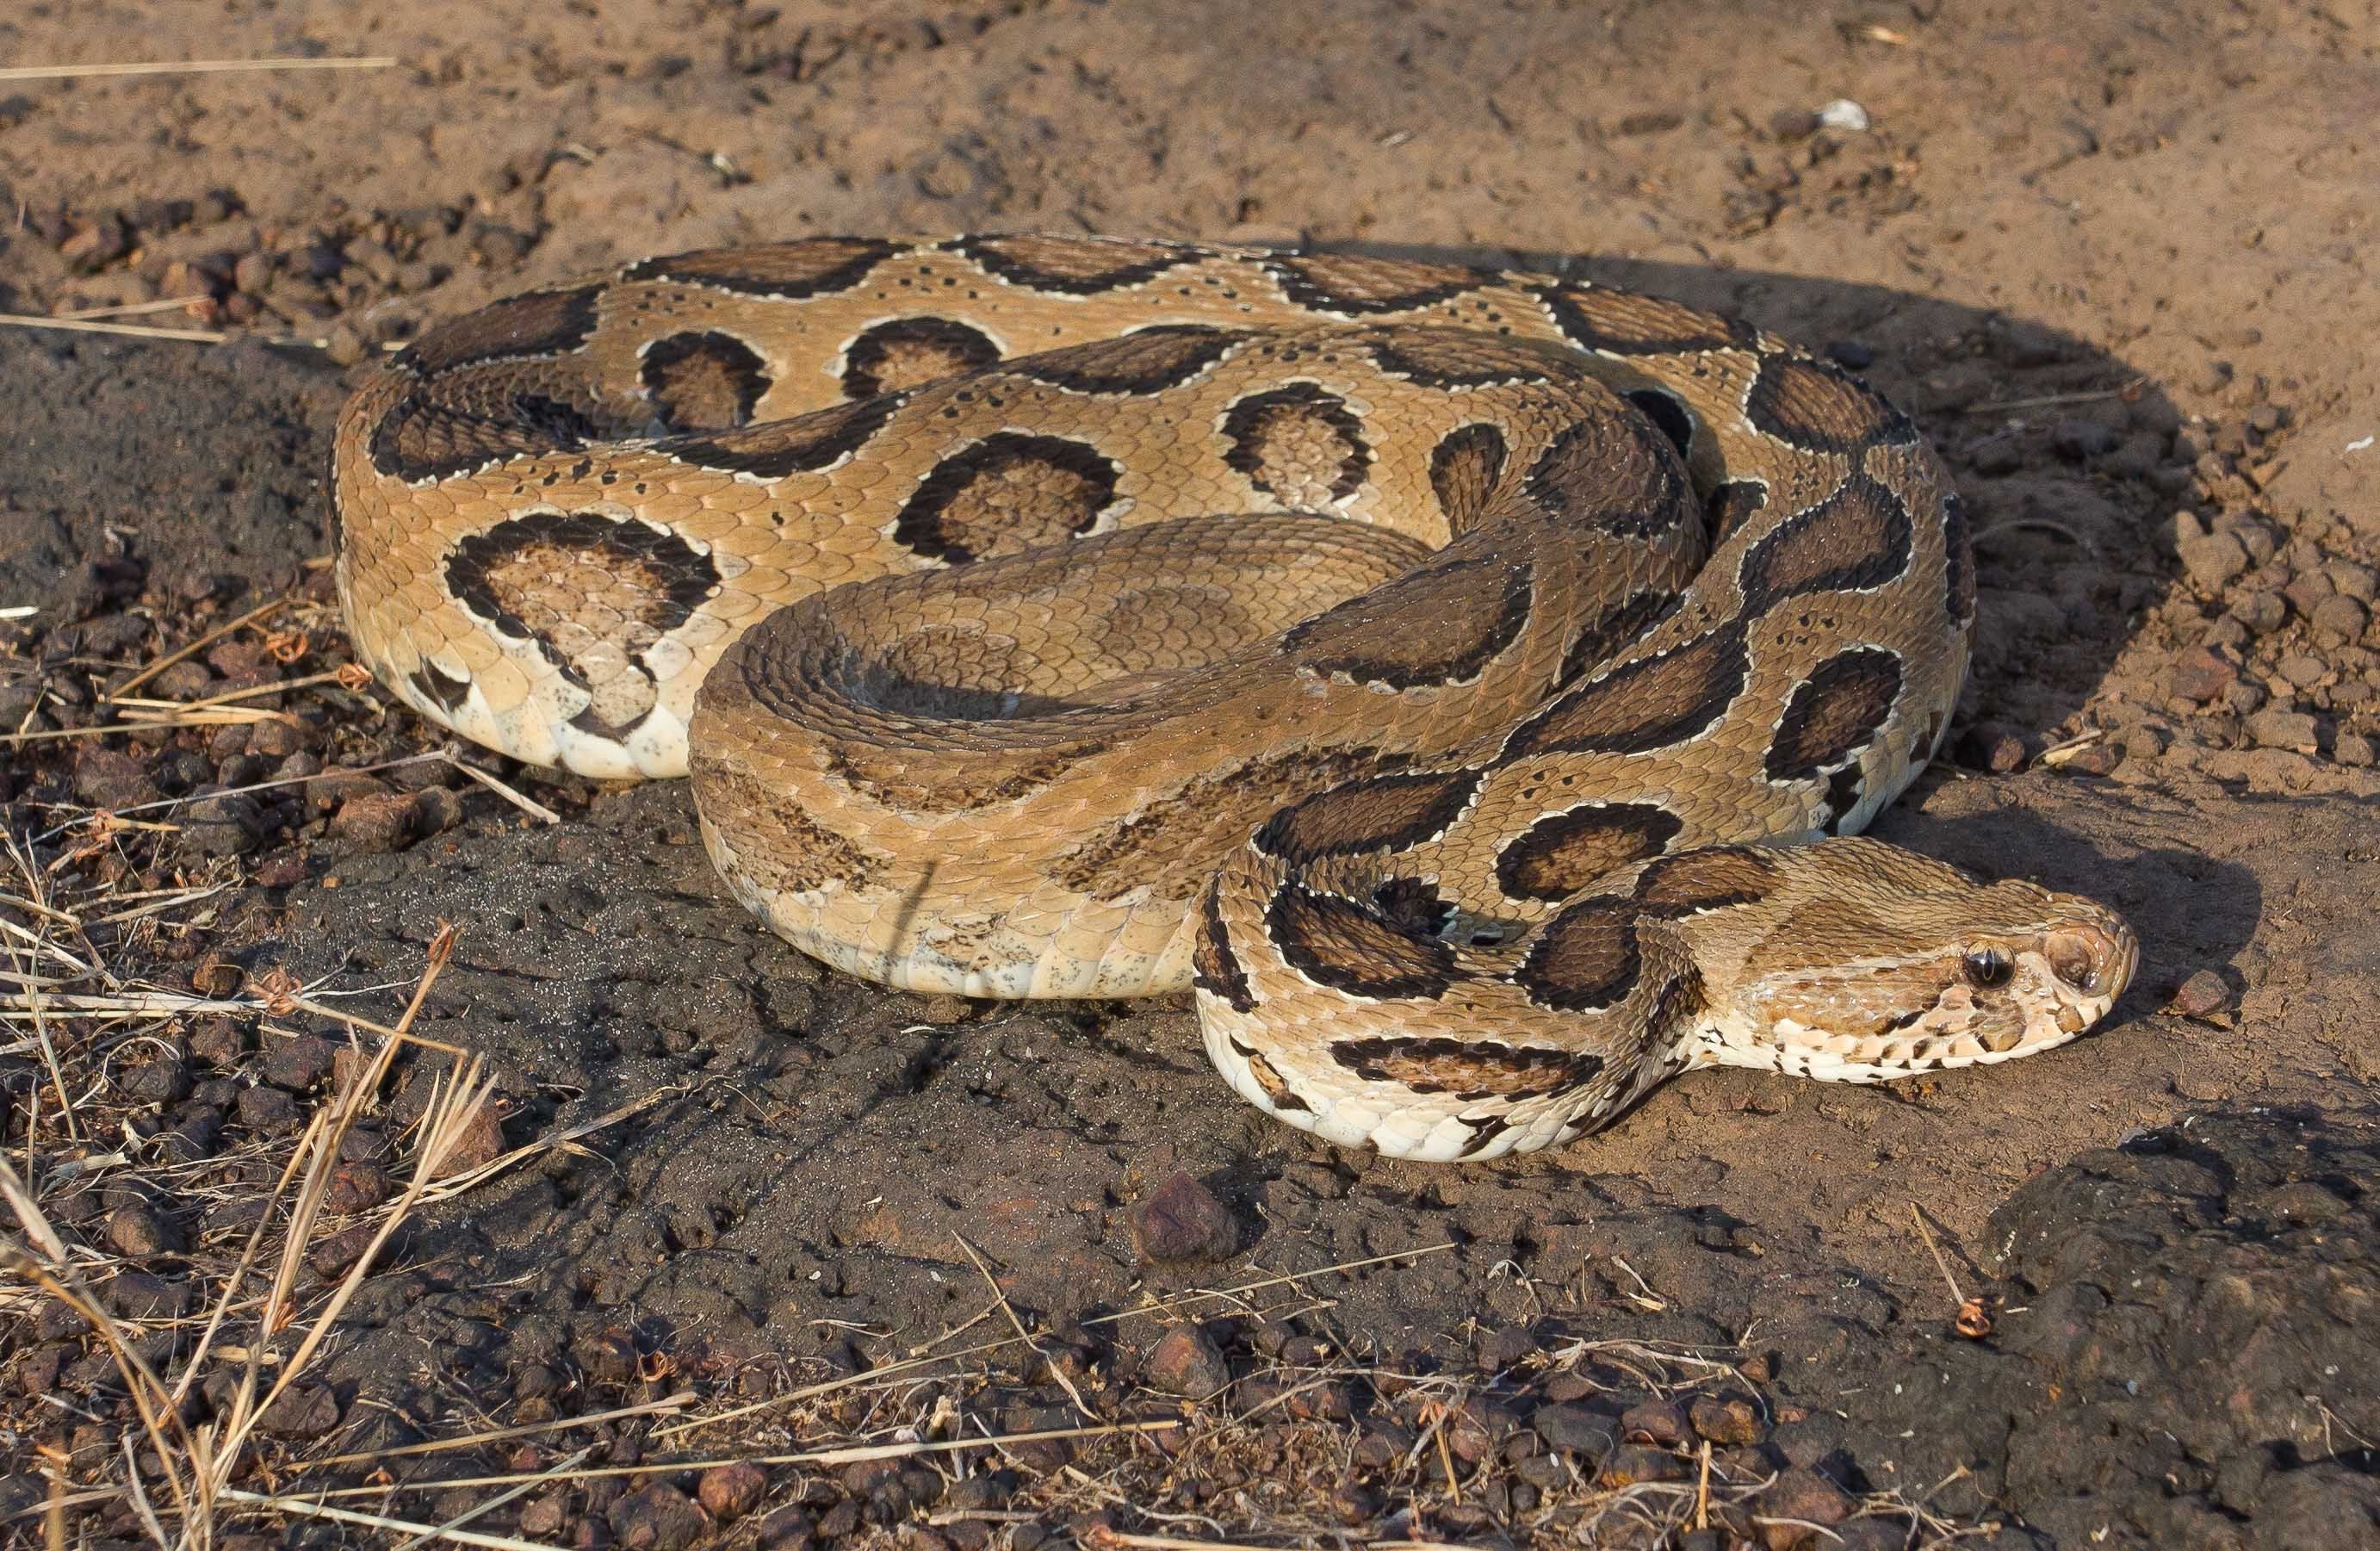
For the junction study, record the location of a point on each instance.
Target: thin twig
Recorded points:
(852, 1455)
(97, 325)
(1018, 1326)
(536, 810)
(190, 68)
(561, 1467)
(210, 639)
(1918, 1218)
(378, 1522)
(910, 1365)
(129, 309)
(678, 1402)
(2047, 401)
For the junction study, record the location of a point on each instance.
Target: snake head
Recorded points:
(1919, 968)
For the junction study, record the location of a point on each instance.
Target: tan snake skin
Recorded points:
(1456, 675)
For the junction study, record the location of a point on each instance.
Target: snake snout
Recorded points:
(2095, 958)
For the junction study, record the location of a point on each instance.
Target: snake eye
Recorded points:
(1989, 968)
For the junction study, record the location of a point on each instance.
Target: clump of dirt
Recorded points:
(2185, 1357)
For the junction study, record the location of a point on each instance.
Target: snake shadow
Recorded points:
(2063, 454)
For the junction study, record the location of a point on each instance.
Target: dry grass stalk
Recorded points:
(857, 1454)
(131, 309)
(912, 1365)
(190, 68)
(96, 325)
(261, 612)
(420, 1531)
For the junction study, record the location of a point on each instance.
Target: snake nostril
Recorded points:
(2072, 960)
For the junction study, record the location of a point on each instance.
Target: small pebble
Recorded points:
(1988, 746)
(139, 1232)
(253, 272)
(660, 1518)
(2301, 669)
(161, 1081)
(1187, 1363)
(1181, 1220)
(2093, 760)
(2078, 439)
(2262, 613)
(185, 680)
(1658, 1421)
(342, 345)
(357, 1187)
(1731, 1421)
(730, 1490)
(377, 821)
(2202, 996)
(2211, 560)
(2276, 728)
(2339, 619)
(308, 1411)
(297, 1062)
(269, 1111)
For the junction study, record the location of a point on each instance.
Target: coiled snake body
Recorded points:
(1457, 675)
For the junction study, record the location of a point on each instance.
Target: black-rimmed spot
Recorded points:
(1459, 359)
(1485, 1130)
(455, 425)
(1350, 284)
(1625, 323)
(1463, 470)
(1144, 361)
(1731, 505)
(1645, 705)
(1602, 473)
(1268, 1077)
(1857, 539)
(1468, 1069)
(810, 267)
(1386, 813)
(1959, 564)
(1677, 1007)
(1714, 878)
(1584, 959)
(532, 325)
(1298, 444)
(674, 578)
(1072, 266)
(1440, 624)
(1821, 407)
(907, 353)
(446, 691)
(705, 381)
(1215, 969)
(1007, 493)
(1844, 789)
(1669, 414)
(804, 444)
(1564, 852)
(1414, 904)
(1339, 943)
(1834, 713)
(1622, 624)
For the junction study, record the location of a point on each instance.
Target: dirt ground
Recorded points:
(2116, 259)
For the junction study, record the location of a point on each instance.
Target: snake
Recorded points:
(1469, 683)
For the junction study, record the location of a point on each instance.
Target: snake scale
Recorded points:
(1469, 681)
